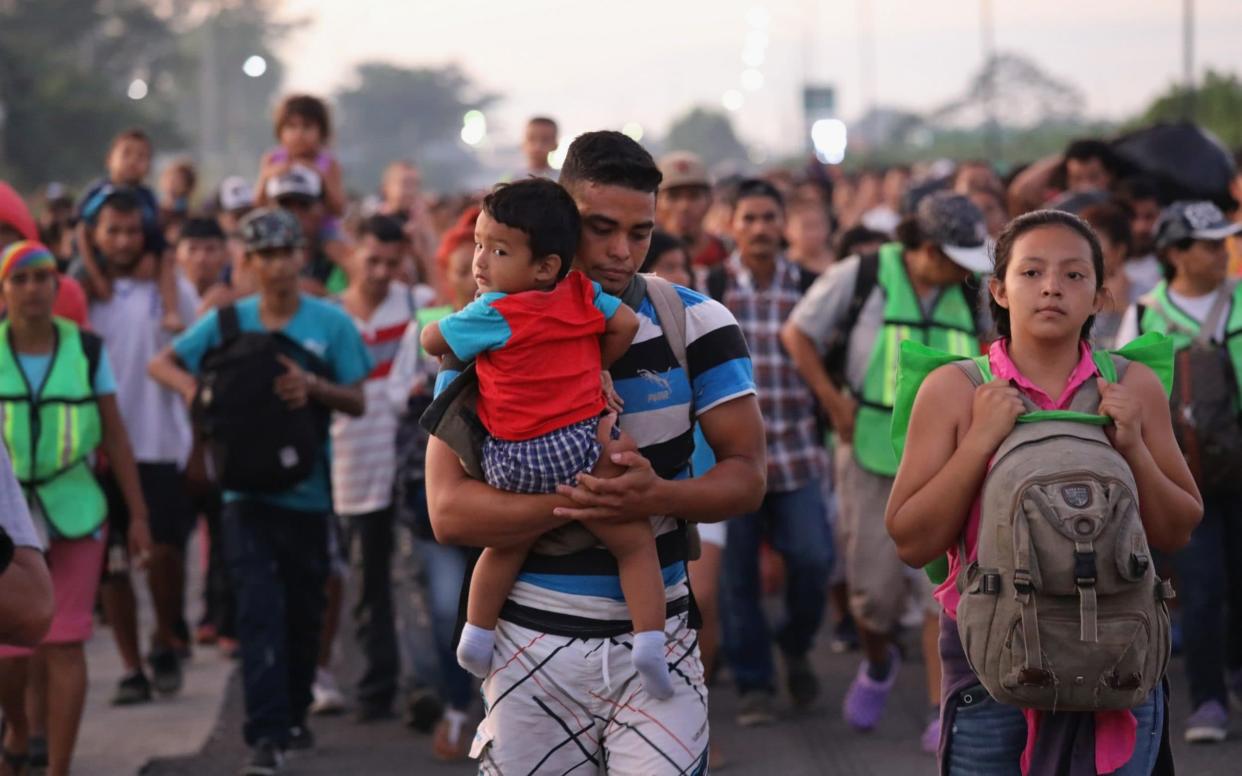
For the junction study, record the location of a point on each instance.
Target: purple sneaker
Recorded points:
(931, 736)
(1207, 724)
(864, 703)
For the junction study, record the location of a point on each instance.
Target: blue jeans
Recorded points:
(795, 523)
(1201, 587)
(987, 738)
(436, 594)
(278, 560)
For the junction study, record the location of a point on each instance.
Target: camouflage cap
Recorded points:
(270, 227)
(1201, 220)
(958, 226)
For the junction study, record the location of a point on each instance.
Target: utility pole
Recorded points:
(866, 54)
(991, 125)
(1188, 58)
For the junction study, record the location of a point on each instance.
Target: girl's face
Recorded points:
(674, 266)
(300, 137)
(1205, 263)
(1050, 286)
(30, 292)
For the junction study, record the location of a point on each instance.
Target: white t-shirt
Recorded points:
(1143, 274)
(1196, 307)
(155, 417)
(364, 450)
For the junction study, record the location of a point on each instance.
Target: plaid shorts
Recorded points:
(538, 465)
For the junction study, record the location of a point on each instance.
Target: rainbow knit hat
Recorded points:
(25, 254)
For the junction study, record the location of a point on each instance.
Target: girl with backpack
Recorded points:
(1071, 547)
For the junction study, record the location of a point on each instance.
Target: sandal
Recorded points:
(449, 745)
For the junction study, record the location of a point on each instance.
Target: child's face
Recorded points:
(300, 137)
(201, 260)
(129, 161)
(1050, 286)
(503, 261)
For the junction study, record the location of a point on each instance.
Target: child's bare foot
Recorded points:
(172, 322)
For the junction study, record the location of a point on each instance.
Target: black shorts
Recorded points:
(168, 504)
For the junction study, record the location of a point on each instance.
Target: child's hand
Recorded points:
(612, 399)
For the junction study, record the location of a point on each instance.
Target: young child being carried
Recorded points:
(128, 162)
(540, 335)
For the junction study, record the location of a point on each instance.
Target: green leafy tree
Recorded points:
(707, 133)
(1215, 104)
(66, 67)
(394, 112)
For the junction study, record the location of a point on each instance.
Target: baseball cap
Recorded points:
(236, 193)
(683, 168)
(270, 228)
(957, 225)
(1201, 220)
(297, 181)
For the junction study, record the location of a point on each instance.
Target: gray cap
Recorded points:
(236, 193)
(957, 225)
(297, 181)
(270, 228)
(1193, 221)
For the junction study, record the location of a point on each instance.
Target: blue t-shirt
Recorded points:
(35, 368)
(322, 329)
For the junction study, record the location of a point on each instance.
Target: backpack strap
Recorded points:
(1211, 321)
(972, 371)
(865, 281)
(672, 314)
(717, 283)
(229, 322)
(92, 348)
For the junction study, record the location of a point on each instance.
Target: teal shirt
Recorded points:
(322, 329)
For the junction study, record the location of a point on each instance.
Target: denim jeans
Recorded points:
(1202, 585)
(435, 573)
(278, 559)
(987, 738)
(795, 523)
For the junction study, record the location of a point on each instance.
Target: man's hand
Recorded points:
(621, 487)
(294, 386)
(843, 412)
(139, 539)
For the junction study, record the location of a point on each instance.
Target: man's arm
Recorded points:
(734, 486)
(618, 334)
(165, 370)
(838, 404)
(26, 602)
(467, 512)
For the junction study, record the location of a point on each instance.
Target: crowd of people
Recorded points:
(654, 400)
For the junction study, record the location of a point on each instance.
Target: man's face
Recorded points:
(1086, 175)
(275, 270)
(309, 213)
(758, 223)
(30, 292)
(540, 140)
(118, 236)
(1143, 225)
(129, 161)
(616, 232)
(402, 187)
(377, 263)
(680, 210)
(808, 231)
(201, 260)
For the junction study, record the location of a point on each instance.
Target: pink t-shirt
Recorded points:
(1114, 730)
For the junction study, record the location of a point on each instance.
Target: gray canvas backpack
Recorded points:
(1063, 610)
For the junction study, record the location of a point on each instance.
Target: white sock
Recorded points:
(474, 651)
(649, 662)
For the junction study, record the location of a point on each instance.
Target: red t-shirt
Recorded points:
(537, 355)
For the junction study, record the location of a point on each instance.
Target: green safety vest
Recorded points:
(950, 328)
(50, 433)
(1161, 314)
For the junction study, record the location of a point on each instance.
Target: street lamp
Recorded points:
(254, 66)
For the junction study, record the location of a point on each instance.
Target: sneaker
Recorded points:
(423, 709)
(266, 759)
(450, 744)
(1207, 724)
(801, 680)
(132, 689)
(165, 671)
(754, 708)
(301, 739)
(865, 701)
(1233, 680)
(931, 736)
(327, 696)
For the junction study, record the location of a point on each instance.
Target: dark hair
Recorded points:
(1088, 148)
(908, 232)
(201, 229)
(544, 211)
(610, 159)
(133, 133)
(122, 200)
(385, 229)
(662, 243)
(850, 239)
(304, 106)
(1138, 188)
(757, 187)
(1111, 221)
(546, 121)
(1030, 222)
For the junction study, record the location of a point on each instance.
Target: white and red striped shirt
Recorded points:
(364, 449)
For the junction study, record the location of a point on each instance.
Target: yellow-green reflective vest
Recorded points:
(51, 430)
(950, 327)
(1160, 313)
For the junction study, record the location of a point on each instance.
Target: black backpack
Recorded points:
(257, 443)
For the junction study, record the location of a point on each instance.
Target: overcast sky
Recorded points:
(596, 65)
